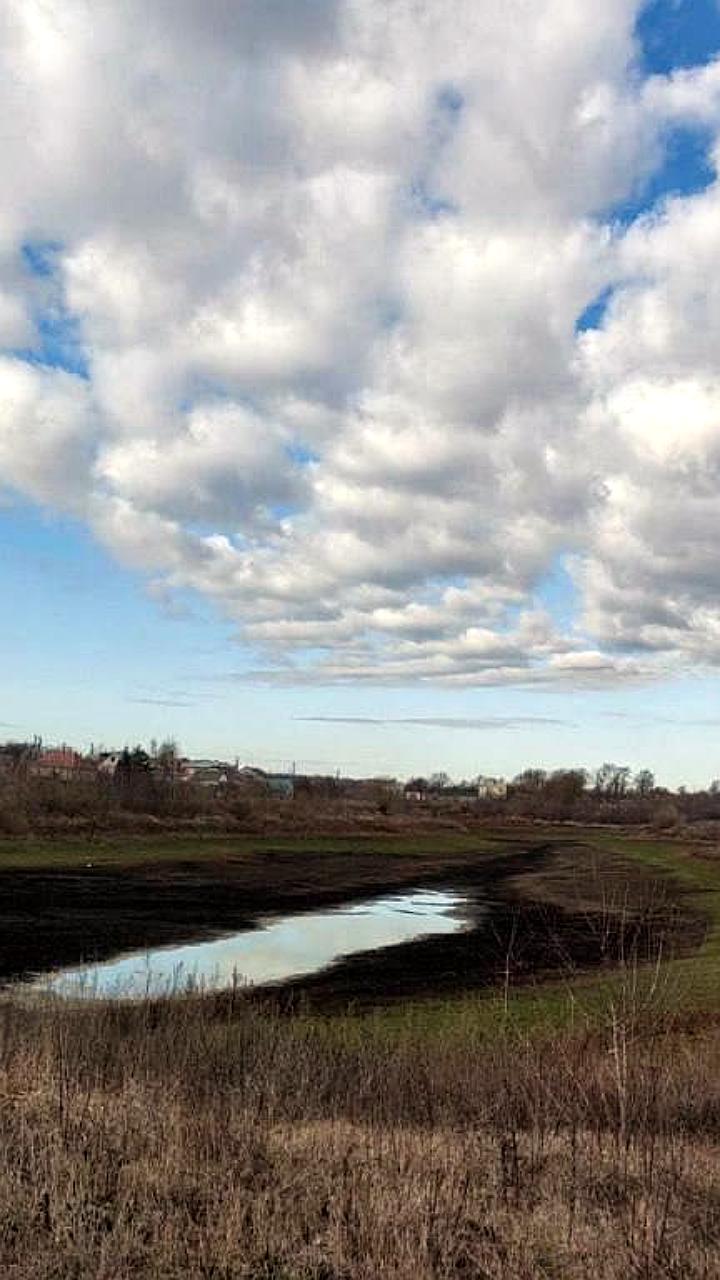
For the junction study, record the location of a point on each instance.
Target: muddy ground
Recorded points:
(532, 912)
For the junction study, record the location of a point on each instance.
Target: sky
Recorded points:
(360, 381)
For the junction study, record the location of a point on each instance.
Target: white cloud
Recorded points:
(325, 259)
(225, 467)
(46, 433)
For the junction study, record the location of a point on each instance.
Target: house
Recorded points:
(251, 778)
(206, 773)
(491, 788)
(61, 763)
(107, 763)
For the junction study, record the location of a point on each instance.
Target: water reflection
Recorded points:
(283, 948)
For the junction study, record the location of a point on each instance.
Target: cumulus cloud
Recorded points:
(47, 433)
(289, 294)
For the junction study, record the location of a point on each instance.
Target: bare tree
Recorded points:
(530, 780)
(645, 782)
(612, 780)
(439, 781)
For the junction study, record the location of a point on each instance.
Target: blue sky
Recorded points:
(90, 657)
(124, 497)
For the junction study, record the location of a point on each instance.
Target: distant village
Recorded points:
(63, 763)
(56, 787)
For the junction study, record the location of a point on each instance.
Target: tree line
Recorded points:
(152, 787)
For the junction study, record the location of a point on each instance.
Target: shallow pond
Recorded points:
(279, 949)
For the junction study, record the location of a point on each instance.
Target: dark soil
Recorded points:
(52, 918)
(512, 939)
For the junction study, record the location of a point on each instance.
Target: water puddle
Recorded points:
(288, 947)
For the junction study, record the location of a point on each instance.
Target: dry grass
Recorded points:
(193, 1140)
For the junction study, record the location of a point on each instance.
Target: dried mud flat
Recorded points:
(531, 912)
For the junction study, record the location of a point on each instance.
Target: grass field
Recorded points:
(34, 852)
(563, 1130)
(192, 1140)
(687, 987)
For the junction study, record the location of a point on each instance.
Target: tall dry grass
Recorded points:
(215, 1139)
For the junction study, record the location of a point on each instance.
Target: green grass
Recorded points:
(691, 981)
(119, 850)
(697, 872)
(688, 985)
